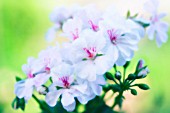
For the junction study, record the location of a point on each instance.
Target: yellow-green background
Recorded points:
(23, 24)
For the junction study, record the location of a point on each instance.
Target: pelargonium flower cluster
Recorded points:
(97, 41)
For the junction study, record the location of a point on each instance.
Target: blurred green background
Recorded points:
(23, 24)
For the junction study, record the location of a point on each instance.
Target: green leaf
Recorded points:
(99, 55)
(84, 59)
(133, 92)
(128, 14)
(17, 78)
(18, 103)
(143, 86)
(143, 24)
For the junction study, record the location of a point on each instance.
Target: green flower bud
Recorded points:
(143, 86)
(133, 92)
(109, 76)
(131, 77)
(118, 75)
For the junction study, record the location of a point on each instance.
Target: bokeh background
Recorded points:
(23, 24)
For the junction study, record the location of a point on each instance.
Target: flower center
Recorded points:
(30, 75)
(93, 26)
(47, 70)
(112, 35)
(91, 52)
(75, 34)
(154, 19)
(65, 82)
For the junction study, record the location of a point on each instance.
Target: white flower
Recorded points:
(35, 71)
(63, 78)
(72, 28)
(60, 14)
(52, 32)
(24, 89)
(89, 56)
(157, 29)
(58, 17)
(94, 87)
(90, 17)
(50, 57)
(121, 42)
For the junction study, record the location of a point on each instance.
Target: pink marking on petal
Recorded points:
(93, 26)
(30, 75)
(91, 52)
(47, 69)
(65, 82)
(112, 35)
(75, 34)
(154, 19)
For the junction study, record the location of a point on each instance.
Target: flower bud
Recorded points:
(143, 86)
(109, 76)
(133, 92)
(118, 75)
(131, 77)
(42, 90)
(143, 73)
(140, 64)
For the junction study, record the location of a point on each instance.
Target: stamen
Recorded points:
(112, 35)
(65, 79)
(93, 26)
(75, 35)
(91, 52)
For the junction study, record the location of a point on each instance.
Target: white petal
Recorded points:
(70, 107)
(151, 31)
(97, 89)
(121, 61)
(52, 97)
(67, 99)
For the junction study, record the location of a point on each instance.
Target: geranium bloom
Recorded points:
(157, 28)
(72, 28)
(24, 88)
(90, 17)
(121, 42)
(58, 17)
(91, 59)
(63, 78)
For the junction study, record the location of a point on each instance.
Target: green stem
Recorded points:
(115, 81)
(36, 99)
(41, 104)
(115, 68)
(124, 73)
(131, 82)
